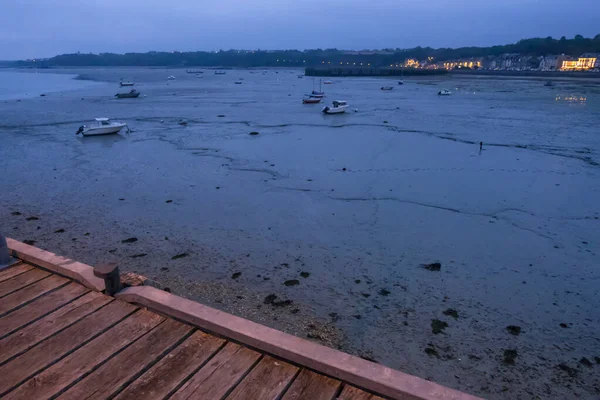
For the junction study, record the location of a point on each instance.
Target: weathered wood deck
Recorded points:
(62, 339)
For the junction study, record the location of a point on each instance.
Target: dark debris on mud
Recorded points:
(433, 266)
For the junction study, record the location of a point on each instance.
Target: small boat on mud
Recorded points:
(126, 83)
(400, 82)
(387, 88)
(220, 72)
(311, 100)
(337, 107)
(170, 77)
(238, 82)
(102, 126)
(194, 71)
(132, 94)
(327, 82)
(444, 92)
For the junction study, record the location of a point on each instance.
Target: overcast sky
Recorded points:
(43, 28)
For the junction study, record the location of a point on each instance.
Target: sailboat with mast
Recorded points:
(320, 94)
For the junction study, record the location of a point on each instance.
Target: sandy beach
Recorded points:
(385, 232)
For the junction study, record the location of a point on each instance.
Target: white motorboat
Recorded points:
(102, 126)
(444, 92)
(170, 77)
(337, 107)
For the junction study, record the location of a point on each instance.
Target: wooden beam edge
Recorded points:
(77, 271)
(368, 375)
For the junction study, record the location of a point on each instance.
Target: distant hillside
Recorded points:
(243, 58)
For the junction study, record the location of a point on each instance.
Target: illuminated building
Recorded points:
(462, 64)
(581, 64)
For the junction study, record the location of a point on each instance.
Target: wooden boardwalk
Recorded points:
(62, 338)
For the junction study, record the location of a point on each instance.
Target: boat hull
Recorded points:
(336, 110)
(108, 130)
(127, 95)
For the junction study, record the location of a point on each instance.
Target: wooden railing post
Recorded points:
(112, 279)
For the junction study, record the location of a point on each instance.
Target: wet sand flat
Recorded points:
(338, 214)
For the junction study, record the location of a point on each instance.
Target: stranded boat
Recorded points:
(102, 126)
(128, 95)
(337, 107)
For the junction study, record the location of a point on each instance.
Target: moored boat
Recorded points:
(128, 95)
(126, 83)
(102, 126)
(311, 100)
(337, 107)
(170, 77)
(444, 92)
(327, 82)
(387, 88)
(220, 72)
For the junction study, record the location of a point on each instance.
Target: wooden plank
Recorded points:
(30, 292)
(352, 393)
(222, 373)
(19, 369)
(39, 307)
(14, 270)
(63, 317)
(174, 368)
(108, 379)
(57, 377)
(20, 281)
(267, 380)
(310, 385)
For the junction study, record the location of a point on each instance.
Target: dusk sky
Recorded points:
(43, 28)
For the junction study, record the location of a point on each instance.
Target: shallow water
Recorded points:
(19, 85)
(369, 196)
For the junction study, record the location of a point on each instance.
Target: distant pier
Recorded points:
(371, 71)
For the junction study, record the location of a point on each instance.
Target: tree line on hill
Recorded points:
(295, 58)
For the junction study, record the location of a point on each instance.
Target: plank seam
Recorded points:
(26, 286)
(64, 355)
(195, 371)
(37, 297)
(287, 387)
(55, 333)
(19, 263)
(151, 364)
(231, 389)
(44, 315)
(113, 355)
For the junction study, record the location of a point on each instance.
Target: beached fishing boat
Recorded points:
(194, 71)
(311, 100)
(238, 82)
(128, 95)
(170, 77)
(387, 88)
(126, 83)
(220, 72)
(327, 82)
(400, 82)
(102, 126)
(444, 92)
(337, 107)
